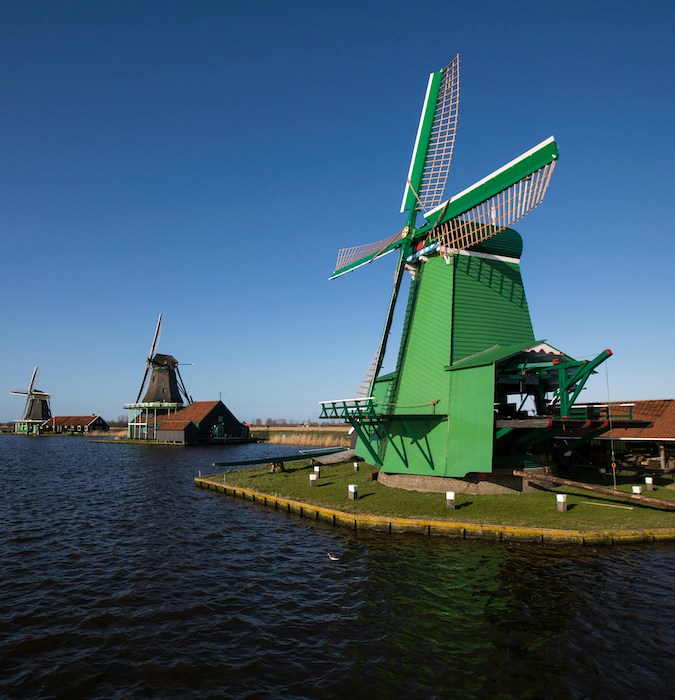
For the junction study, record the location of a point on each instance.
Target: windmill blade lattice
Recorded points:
(495, 214)
(435, 140)
(442, 139)
(351, 258)
(148, 362)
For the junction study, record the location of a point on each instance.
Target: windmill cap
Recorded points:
(164, 360)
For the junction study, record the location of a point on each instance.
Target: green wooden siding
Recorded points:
(470, 421)
(457, 310)
(422, 375)
(490, 306)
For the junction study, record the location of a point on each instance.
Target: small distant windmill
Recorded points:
(467, 345)
(166, 392)
(37, 408)
(166, 384)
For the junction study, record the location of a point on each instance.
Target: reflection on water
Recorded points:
(120, 579)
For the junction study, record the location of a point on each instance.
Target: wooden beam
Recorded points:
(646, 500)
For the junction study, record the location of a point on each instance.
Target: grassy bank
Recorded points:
(330, 436)
(586, 511)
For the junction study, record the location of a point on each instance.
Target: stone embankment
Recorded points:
(392, 524)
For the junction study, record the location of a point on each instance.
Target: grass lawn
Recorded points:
(520, 509)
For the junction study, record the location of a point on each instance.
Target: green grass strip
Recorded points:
(519, 516)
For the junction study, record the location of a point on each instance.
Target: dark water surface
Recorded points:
(120, 579)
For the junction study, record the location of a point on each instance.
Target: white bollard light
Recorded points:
(200, 472)
(449, 499)
(649, 483)
(317, 471)
(356, 466)
(353, 491)
(637, 489)
(312, 479)
(602, 471)
(561, 501)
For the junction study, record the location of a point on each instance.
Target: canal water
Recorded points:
(120, 579)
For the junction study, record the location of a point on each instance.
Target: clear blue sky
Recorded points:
(207, 159)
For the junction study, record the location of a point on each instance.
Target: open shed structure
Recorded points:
(654, 437)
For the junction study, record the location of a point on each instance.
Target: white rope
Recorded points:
(609, 416)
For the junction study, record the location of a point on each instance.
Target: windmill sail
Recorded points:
(350, 258)
(495, 202)
(479, 212)
(148, 362)
(432, 153)
(37, 402)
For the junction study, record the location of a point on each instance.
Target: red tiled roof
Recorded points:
(660, 413)
(195, 412)
(70, 420)
(173, 424)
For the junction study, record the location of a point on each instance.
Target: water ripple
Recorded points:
(121, 580)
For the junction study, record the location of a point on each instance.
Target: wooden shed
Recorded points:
(656, 438)
(178, 432)
(202, 421)
(75, 424)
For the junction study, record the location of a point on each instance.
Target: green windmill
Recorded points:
(473, 389)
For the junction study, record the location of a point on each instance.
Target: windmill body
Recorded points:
(36, 410)
(473, 390)
(163, 384)
(166, 393)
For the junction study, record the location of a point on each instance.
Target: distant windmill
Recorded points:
(37, 402)
(166, 384)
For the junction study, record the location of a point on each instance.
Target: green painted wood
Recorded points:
(501, 179)
(421, 147)
(427, 351)
(471, 421)
(508, 243)
(493, 184)
(457, 310)
(490, 307)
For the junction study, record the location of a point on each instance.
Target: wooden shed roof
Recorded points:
(173, 424)
(71, 420)
(195, 412)
(659, 412)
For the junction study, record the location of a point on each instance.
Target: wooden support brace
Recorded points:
(646, 500)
